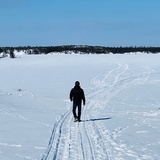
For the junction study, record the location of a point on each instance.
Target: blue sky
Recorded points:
(80, 22)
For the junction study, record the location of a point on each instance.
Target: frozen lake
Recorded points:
(120, 121)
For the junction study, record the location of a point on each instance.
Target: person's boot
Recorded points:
(75, 119)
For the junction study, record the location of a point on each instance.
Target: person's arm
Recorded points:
(71, 95)
(83, 97)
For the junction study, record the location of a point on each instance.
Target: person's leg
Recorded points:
(79, 112)
(74, 110)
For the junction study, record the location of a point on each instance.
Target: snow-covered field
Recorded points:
(120, 121)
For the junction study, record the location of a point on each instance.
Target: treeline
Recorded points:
(84, 49)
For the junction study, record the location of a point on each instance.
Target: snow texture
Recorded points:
(120, 121)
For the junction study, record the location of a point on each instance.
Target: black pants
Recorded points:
(75, 106)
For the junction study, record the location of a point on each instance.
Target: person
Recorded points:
(77, 96)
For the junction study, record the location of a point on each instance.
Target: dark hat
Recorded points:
(77, 83)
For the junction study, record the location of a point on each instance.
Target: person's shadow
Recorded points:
(96, 119)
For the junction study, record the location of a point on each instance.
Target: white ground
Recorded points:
(120, 121)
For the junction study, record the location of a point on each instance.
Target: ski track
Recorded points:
(90, 139)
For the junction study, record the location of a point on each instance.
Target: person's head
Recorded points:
(77, 83)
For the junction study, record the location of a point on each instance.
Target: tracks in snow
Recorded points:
(80, 141)
(88, 140)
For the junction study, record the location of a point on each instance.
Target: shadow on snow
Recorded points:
(96, 119)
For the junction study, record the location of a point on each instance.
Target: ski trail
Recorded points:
(54, 139)
(106, 89)
(65, 141)
(95, 139)
(90, 139)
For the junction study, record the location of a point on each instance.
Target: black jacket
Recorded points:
(77, 95)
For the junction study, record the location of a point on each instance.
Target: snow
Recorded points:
(120, 120)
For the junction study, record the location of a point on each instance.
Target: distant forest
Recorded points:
(83, 49)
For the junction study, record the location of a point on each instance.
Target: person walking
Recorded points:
(77, 96)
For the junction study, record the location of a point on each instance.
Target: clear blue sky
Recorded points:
(80, 22)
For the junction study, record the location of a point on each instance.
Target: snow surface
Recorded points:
(120, 121)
